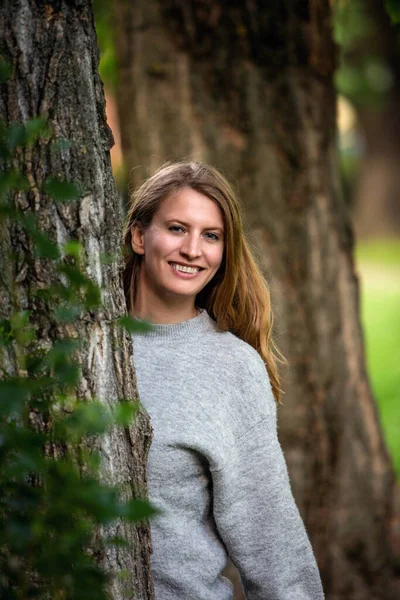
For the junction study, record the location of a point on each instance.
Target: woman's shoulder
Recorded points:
(243, 378)
(237, 354)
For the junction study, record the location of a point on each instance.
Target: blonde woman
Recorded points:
(208, 377)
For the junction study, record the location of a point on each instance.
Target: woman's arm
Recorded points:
(258, 519)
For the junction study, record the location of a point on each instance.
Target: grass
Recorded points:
(378, 263)
(379, 252)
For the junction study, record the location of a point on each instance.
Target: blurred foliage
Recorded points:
(52, 500)
(105, 29)
(369, 48)
(393, 10)
(365, 75)
(379, 265)
(379, 252)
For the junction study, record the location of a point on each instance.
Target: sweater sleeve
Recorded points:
(257, 517)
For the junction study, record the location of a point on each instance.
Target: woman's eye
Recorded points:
(176, 228)
(212, 236)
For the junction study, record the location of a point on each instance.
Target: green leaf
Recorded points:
(16, 135)
(5, 70)
(73, 248)
(61, 350)
(137, 510)
(12, 180)
(59, 291)
(88, 419)
(45, 248)
(67, 373)
(100, 502)
(73, 274)
(22, 134)
(61, 144)
(393, 9)
(132, 325)
(13, 395)
(21, 330)
(6, 335)
(67, 314)
(125, 412)
(20, 319)
(35, 129)
(92, 460)
(30, 461)
(118, 542)
(109, 259)
(93, 295)
(61, 190)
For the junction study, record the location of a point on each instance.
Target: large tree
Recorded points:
(247, 86)
(52, 50)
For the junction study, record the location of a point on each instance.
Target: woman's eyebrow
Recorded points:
(185, 224)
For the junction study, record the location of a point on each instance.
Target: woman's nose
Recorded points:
(191, 246)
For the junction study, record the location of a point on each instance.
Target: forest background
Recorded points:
(367, 81)
(249, 89)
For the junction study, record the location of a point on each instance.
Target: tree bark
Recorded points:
(248, 88)
(53, 52)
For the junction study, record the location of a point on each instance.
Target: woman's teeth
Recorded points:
(184, 269)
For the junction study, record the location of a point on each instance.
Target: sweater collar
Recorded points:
(194, 326)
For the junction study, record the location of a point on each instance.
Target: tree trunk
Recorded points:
(248, 88)
(53, 52)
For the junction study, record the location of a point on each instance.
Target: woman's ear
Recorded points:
(137, 238)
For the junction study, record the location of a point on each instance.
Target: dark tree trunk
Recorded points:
(53, 52)
(248, 87)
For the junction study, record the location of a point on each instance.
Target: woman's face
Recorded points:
(182, 247)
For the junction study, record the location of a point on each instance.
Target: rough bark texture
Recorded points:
(53, 51)
(248, 87)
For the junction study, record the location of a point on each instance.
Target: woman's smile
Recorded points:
(185, 271)
(182, 247)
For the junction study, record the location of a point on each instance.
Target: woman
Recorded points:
(207, 375)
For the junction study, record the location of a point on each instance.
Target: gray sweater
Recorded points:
(216, 470)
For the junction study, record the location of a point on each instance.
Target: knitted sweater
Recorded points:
(216, 470)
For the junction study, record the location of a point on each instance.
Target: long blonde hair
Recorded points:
(237, 298)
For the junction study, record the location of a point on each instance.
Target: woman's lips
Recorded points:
(185, 271)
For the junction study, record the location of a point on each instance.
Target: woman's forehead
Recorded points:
(190, 205)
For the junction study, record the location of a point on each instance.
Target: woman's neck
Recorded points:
(161, 313)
